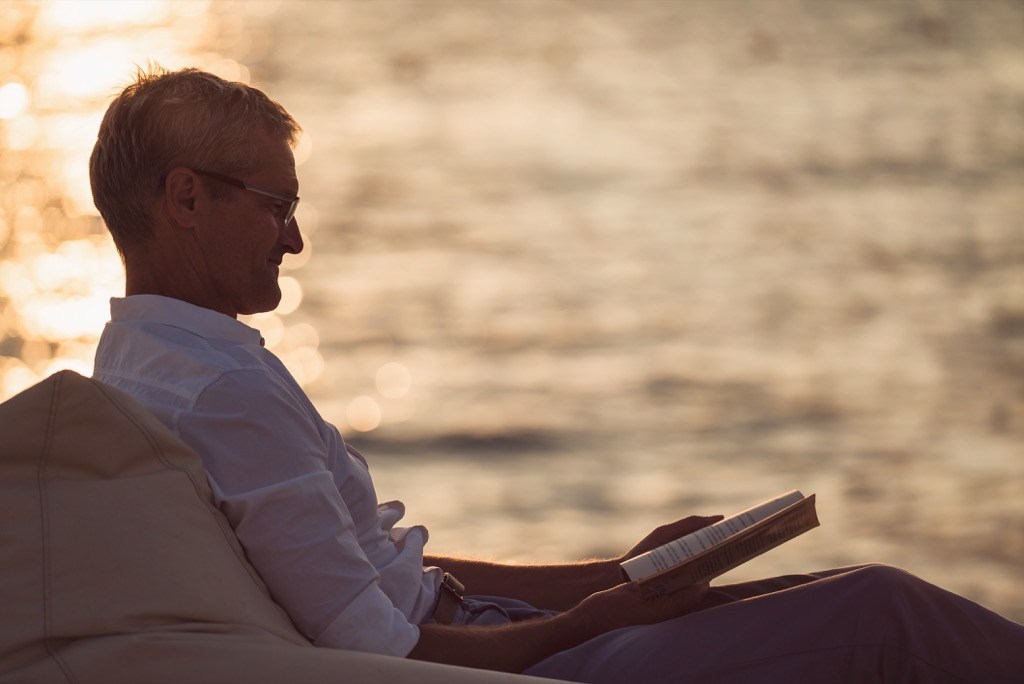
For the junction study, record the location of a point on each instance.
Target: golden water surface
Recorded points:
(576, 268)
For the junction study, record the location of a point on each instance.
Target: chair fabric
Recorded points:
(117, 566)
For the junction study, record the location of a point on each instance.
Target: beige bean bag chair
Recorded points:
(115, 566)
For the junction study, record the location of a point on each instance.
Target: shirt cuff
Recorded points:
(372, 624)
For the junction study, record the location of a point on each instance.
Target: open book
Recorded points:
(716, 549)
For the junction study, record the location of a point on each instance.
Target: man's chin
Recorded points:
(263, 304)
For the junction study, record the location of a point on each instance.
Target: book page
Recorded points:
(741, 547)
(677, 551)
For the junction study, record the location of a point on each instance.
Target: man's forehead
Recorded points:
(277, 161)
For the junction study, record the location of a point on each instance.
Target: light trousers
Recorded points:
(871, 623)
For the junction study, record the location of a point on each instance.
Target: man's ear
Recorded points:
(181, 195)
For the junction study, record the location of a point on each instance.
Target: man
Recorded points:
(195, 179)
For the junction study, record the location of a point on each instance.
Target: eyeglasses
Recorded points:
(292, 202)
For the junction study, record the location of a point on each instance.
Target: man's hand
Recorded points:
(592, 596)
(670, 532)
(623, 606)
(559, 587)
(518, 645)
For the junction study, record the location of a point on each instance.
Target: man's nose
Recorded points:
(291, 238)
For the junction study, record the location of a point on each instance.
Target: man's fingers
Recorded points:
(669, 533)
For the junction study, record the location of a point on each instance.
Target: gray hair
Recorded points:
(166, 119)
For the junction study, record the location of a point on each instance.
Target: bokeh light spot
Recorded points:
(21, 133)
(83, 17)
(301, 335)
(305, 364)
(13, 100)
(17, 377)
(271, 327)
(229, 70)
(291, 295)
(90, 70)
(363, 413)
(393, 380)
(308, 217)
(303, 148)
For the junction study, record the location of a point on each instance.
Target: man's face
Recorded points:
(245, 237)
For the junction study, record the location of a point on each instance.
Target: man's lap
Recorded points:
(743, 632)
(496, 610)
(848, 624)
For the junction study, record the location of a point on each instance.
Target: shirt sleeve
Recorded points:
(267, 465)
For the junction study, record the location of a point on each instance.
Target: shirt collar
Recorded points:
(176, 313)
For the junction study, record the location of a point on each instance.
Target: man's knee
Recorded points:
(888, 596)
(884, 577)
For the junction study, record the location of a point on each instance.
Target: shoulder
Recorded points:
(254, 394)
(146, 359)
(250, 429)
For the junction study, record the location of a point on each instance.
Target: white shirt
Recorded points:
(300, 500)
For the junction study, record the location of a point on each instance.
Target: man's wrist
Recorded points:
(607, 574)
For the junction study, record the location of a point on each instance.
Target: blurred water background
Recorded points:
(578, 268)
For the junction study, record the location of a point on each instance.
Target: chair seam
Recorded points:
(45, 528)
(195, 485)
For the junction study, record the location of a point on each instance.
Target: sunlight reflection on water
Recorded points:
(63, 61)
(618, 265)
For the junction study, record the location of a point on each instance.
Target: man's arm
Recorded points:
(557, 587)
(267, 464)
(515, 647)
(553, 587)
